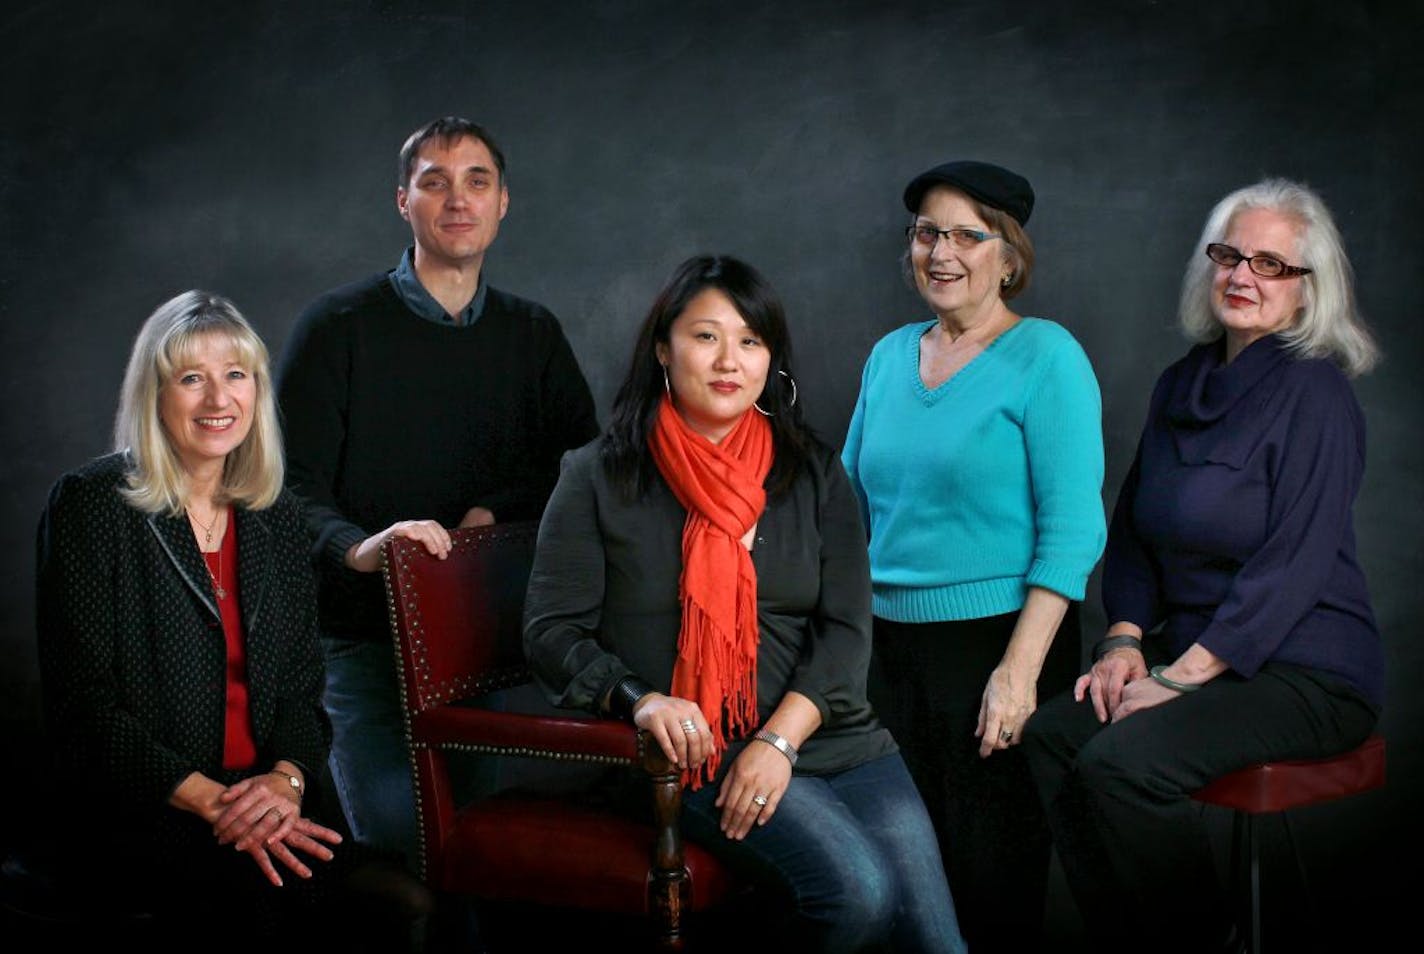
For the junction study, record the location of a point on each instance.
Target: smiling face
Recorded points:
(1248, 306)
(207, 404)
(716, 364)
(960, 285)
(454, 202)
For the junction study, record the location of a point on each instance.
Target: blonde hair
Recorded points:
(253, 472)
(1329, 324)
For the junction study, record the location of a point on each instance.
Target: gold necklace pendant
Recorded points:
(217, 585)
(206, 527)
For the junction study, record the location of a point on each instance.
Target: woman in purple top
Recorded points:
(1230, 563)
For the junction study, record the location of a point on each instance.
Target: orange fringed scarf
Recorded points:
(720, 485)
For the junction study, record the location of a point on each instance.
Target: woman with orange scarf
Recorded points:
(702, 572)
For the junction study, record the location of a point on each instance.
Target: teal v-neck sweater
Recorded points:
(986, 485)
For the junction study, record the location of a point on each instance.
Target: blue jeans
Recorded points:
(855, 852)
(369, 761)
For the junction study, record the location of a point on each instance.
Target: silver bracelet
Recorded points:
(778, 743)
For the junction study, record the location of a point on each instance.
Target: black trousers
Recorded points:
(926, 683)
(1118, 796)
(164, 877)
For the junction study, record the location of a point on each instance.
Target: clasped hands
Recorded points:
(1118, 685)
(260, 816)
(753, 785)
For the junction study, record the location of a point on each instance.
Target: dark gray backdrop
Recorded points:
(250, 149)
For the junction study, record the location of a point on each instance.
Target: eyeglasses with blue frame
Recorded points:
(928, 235)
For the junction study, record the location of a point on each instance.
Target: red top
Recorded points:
(239, 747)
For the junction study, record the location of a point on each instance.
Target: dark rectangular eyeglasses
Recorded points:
(1267, 266)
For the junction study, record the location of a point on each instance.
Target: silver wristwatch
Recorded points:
(778, 743)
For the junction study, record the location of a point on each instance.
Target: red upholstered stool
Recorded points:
(1277, 787)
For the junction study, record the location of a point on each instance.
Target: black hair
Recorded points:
(625, 452)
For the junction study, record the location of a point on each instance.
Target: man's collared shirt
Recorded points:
(418, 300)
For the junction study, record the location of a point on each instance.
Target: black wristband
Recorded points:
(625, 694)
(1108, 643)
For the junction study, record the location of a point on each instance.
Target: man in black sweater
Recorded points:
(416, 400)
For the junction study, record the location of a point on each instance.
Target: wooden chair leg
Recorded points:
(667, 888)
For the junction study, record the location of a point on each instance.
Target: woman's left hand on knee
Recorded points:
(752, 789)
(1142, 694)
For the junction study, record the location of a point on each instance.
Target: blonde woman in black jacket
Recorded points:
(177, 645)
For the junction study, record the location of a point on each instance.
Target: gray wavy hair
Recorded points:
(1329, 322)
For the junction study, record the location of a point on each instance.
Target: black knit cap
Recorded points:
(993, 185)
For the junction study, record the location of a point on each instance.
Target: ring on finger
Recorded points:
(280, 816)
(1006, 735)
(760, 799)
(689, 727)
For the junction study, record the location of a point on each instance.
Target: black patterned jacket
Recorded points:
(132, 652)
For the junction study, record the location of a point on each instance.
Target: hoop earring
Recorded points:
(667, 385)
(789, 406)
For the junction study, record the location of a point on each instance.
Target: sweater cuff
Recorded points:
(341, 540)
(1125, 606)
(1061, 580)
(1244, 655)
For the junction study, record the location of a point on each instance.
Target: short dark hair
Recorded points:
(448, 129)
(625, 453)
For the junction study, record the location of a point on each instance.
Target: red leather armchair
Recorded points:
(457, 627)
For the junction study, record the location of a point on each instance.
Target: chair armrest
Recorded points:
(546, 736)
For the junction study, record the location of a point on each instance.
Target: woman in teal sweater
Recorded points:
(976, 451)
